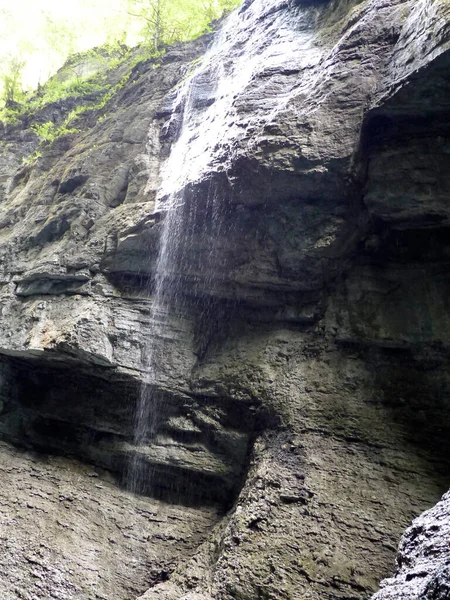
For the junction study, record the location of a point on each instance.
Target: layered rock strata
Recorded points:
(303, 377)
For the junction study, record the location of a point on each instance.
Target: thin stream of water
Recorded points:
(208, 122)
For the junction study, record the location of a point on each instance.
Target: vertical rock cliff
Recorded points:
(298, 377)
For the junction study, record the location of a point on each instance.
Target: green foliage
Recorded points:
(43, 41)
(166, 21)
(11, 81)
(48, 132)
(45, 131)
(55, 90)
(60, 36)
(160, 22)
(31, 157)
(45, 37)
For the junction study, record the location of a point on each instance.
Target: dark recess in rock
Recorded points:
(68, 186)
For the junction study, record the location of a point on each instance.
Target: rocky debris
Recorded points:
(423, 559)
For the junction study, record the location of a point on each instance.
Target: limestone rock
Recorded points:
(299, 380)
(422, 559)
(68, 532)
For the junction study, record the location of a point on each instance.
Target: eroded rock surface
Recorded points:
(68, 532)
(301, 376)
(422, 559)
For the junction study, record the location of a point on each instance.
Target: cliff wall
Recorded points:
(300, 382)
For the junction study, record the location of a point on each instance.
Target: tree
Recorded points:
(11, 80)
(48, 38)
(214, 9)
(167, 21)
(154, 15)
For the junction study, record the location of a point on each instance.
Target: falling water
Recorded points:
(209, 121)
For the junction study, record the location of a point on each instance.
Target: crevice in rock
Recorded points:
(71, 184)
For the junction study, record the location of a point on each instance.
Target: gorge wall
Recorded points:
(301, 379)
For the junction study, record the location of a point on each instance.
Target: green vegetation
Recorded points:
(90, 77)
(166, 21)
(93, 93)
(48, 132)
(152, 23)
(66, 84)
(11, 80)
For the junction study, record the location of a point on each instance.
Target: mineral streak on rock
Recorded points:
(305, 375)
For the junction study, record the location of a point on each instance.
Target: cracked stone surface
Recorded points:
(301, 382)
(422, 558)
(66, 531)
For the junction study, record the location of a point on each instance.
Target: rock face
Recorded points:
(300, 380)
(423, 561)
(68, 532)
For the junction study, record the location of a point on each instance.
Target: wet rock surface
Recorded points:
(301, 379)
(195, 452)
(66, 531)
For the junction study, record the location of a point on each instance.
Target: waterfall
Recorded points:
(180, 213)
(209, 122)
